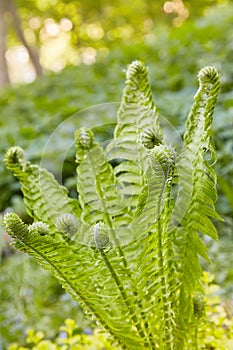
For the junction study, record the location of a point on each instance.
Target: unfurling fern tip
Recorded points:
(149, 139)
(67, 224)
(84, 138)
(39, 227)
(15, 158)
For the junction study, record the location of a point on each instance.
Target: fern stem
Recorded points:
(117, 280)
(163, 261)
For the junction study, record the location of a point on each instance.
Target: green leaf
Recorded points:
(44, 198)
(137, 111)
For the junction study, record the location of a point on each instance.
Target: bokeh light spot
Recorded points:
(88, 55)
(95, 31)
(66, 25)
(168, 7)
(51, 27)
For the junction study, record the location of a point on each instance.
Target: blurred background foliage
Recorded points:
(60, 58)
(65, 32)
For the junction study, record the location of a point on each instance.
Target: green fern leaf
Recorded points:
(44, 198)
(97, 186)
(82, 278)
(197, 193)
(137, 111)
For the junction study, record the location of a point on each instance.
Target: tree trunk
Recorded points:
(17, 24)
(4, 76)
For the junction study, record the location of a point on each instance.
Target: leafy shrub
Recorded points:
(70, 338)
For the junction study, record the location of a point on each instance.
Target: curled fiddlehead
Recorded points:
(15, 227)
(39, 227)
(209, 75)
(84, 138)
(101, 238)
(15, 159)
(84, 141)
(160, 154)
(163, 156)
(149, 139)
(67, 224)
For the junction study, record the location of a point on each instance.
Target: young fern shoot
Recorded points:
(128, 248)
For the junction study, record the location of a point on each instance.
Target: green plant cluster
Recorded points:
(133, 267)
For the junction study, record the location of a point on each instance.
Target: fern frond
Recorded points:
(44, 198)
(200, 119)
(197, 141)
(137, 105)
(197, 189)
(137, 111)
(76, 269)
(97, 186)
(102, 202)
(157, 274)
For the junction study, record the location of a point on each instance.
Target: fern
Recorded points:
(197, 178)
(44, 198)
(128, 249)
(137, 111)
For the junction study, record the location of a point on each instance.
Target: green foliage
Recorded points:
(31, 297)
(70, 338)
(128, 248)
(215, 329)
(103, 25)
(45, 105)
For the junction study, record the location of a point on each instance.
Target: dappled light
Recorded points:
(51, 28)
(34, 22)
(95, 31)
(66, 24)
(18, 56)
(60, 33)
(178, 8)
(88, 55)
